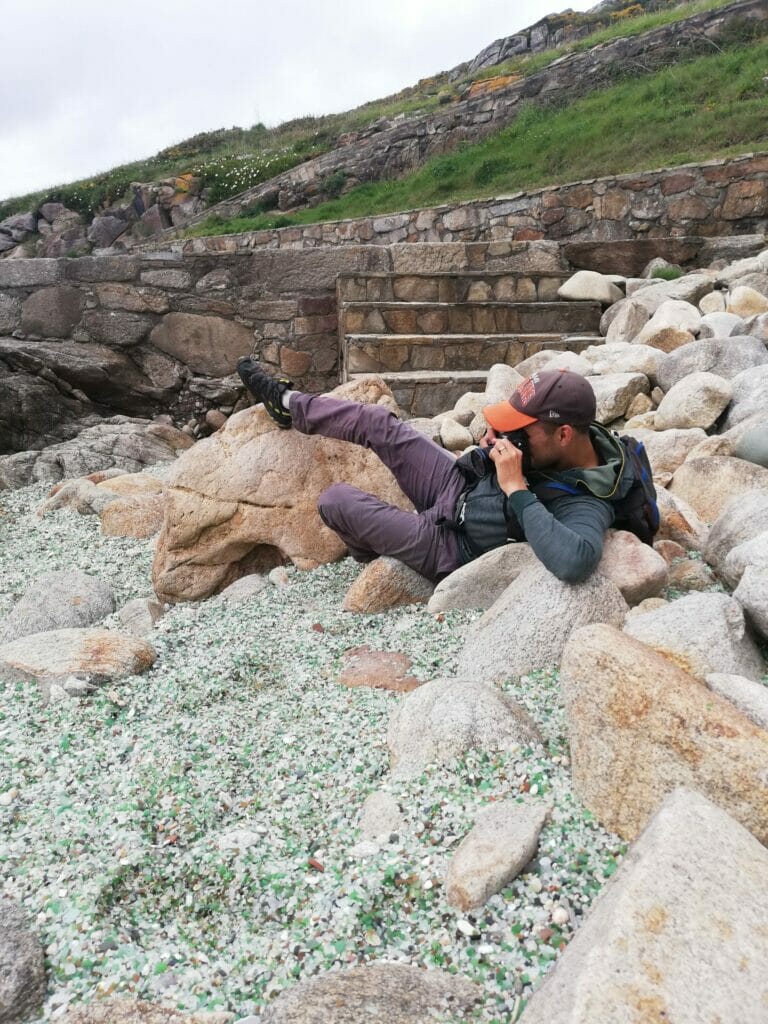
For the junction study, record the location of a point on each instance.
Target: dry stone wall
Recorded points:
(717, 198)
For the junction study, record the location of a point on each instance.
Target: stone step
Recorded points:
(389, 353)
(428, 392)
(464, 286)
(467, 317)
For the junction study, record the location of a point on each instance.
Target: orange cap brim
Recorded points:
(504, 416)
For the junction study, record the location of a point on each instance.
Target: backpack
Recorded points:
(637, 512)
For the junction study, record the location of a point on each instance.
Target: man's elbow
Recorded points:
(575, 567)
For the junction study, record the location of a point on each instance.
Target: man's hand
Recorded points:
(508, 460)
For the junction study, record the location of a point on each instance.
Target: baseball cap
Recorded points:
(552, 396)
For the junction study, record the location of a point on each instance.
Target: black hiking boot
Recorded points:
(266, 389)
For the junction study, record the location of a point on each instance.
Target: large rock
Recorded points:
(636, 569)
(385, 993)
(614, 392)
(627, 322)
(129, 444)
(752, 595)
(677, 935)
(480, 582)
(752, 445)
(386, 583)
(679, 522)
(503, 839)
(707, 485)
(745, 301)
(672, 325)
(528, 626)
(748, 696)
(695, 401)
(22, 974)
(742, 518)
(589, 285)
(58, 600)
(749, 396)
(668, 449)
(639, 726)
(99, 654)
(136, 515)
(131, 1011)
(626, 358)
(445, 718)
(245, 499)
(206, 344)
(702, 633)
(720, 325)
(725, 357)
(752, 552)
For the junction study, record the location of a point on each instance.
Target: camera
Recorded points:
(480, 459)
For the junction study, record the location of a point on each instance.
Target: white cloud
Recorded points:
(90, 84)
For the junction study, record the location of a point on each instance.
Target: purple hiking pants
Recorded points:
(426, 473)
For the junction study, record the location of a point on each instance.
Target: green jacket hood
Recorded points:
(609, 481)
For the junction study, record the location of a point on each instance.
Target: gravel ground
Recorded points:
(117, 811)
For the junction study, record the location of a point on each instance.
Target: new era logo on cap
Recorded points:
(560, 395)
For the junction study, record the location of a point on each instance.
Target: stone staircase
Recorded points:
(434, 336)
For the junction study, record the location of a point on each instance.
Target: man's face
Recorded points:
(546, 445)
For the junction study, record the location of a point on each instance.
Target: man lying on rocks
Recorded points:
(555, 485)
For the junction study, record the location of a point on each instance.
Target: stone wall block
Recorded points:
(206, 344)
(113, 295)
(166, 278)
(52, 312)
(10, 313)
(745, 199)
(116, 327)
(30, 273)
(101, 268)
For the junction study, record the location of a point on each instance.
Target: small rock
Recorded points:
(380, 993)
(503, 839)
(22, 974)
(248, 587)
(138, 617)
(386, 583)
(383, 670)
(445, 718)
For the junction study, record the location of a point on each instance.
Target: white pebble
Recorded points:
(560, 916)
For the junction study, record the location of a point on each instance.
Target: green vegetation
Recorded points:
(713, 106)
(630, 21)
(229, 161)
(667, 273)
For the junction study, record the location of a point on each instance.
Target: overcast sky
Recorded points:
(89, 84)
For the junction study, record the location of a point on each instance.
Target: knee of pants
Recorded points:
(330, 502)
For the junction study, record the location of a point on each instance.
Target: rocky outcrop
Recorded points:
(640, 726)
(246, 499)
(127, 444)
(677, 934)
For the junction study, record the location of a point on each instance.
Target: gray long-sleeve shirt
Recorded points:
(566, 534)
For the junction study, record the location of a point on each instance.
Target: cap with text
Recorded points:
(551, 396)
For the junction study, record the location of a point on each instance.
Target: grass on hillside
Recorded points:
(230, 161)
(713, 106)
(621, 27)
